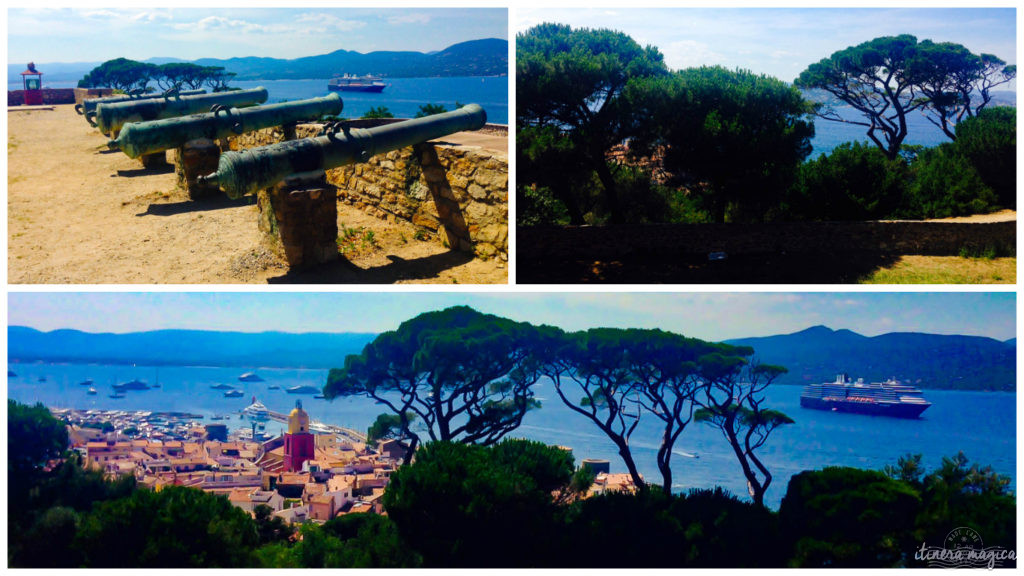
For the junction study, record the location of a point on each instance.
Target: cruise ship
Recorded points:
(889, 398)
(352, 83)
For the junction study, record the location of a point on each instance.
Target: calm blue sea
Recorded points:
(403, 97)
(981, 424)
(829, 134)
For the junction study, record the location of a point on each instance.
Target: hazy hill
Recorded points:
(185, 347)
(929, 360)
(487, 57)
(813, 355)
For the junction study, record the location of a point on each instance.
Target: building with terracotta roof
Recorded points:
(605, 482)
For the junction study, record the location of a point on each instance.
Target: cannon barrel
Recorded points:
(88, 106)
(246, 171)
(140, 138)
(110, 118)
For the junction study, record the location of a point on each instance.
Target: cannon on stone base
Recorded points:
(195, 136)
(298, 206)
(111, 118)
(140, 138)
(88, 106)
(246, 171)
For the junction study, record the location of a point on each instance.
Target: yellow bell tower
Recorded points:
(298, 420)
(298, 442)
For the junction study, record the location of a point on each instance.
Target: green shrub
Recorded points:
(430, 110)
(848, 517)
(855, 182)
(378, 112)
(989, 142)
(535, 205)
(945, 184)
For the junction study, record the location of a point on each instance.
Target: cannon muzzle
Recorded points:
(246, 171)
(141, 138)
(110, 118)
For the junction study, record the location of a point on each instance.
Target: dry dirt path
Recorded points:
(1000, 216)
(80, 214)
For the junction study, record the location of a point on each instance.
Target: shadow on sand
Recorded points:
(204, 205)
(344, 272)
(136, 172)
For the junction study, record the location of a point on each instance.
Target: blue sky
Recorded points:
(711, 316)
(782, 42)
(99, 34)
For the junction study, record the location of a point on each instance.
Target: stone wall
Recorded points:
(84, 93)
(552, 243)
(456, 194)
(50, 96)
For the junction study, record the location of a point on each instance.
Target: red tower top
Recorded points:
(33, 81)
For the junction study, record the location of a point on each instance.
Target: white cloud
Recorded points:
(690, 53)
(410, 18)
(102, 14)
(221, 24)
(329, 22)
(151, 16)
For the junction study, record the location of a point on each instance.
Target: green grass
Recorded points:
(946, 270)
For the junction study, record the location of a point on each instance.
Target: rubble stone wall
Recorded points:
(455, 194)
(606, 242)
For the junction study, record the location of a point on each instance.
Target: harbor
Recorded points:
(984, 421)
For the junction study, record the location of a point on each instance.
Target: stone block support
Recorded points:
(300, 218)
(449, 214)
(197, 158)
(154, 161)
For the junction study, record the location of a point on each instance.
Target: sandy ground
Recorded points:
(1000, 216)
(80, 214)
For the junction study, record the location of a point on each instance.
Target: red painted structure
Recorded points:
(298, 442)
(33, 81)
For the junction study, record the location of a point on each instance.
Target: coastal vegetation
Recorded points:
(890, 77)
(607, 134)
(131, 76)
(378, 112)
(461, 375)
(457, 375)
(512, 504)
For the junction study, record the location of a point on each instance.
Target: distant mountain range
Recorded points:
(818, 354)
(813, 355)
(185, 348)
(487, 57)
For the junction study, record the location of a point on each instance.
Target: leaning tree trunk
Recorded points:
(610, 192)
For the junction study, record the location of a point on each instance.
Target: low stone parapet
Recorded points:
(613, 242)
(50, 96)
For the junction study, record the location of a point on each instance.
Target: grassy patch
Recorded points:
(353, 240)
(946, 270)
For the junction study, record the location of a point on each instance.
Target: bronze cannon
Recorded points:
(246, 171)
(139, 138)
(110, 118)
(88, 106)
